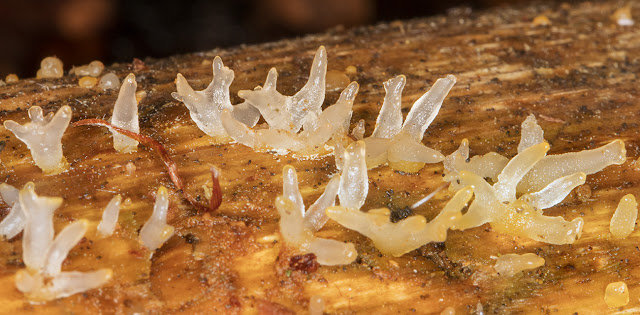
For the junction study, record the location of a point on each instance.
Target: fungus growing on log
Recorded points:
(156, 231)
(401, 144)
(43, 137)
(298, 225)
(206, 106)
(291, 112)
(333, 122)
(14, 222)
(125, 115)
(399, 238)
(43, 278)
(107, 225)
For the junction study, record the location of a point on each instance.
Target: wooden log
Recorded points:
(578, 75)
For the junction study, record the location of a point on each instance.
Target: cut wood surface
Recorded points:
(578, 76)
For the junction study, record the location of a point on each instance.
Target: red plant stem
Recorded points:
(216, 197)
(216, 192)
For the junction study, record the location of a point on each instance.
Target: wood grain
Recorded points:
(577, 75)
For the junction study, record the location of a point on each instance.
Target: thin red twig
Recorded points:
(168, 161)
(216, 191)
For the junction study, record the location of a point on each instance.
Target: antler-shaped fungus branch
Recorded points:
(289, 112)
(43, 137)
(404, 236)
(401, 146)
(206, 106)
(297, 225)
(43, 280)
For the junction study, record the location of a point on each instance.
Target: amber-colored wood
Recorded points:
(577, 75)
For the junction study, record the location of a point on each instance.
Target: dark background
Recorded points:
(79, 31)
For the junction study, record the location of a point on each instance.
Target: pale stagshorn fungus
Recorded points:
(541, 181)
(43, 278)
(43, 137)
(107, 225)
(291, 112)
(544, 172)
(287, 115)
(206, 106)
(14, 222)
(399, 238)
(398, 143)
(50, 68)
(125, 115)
(298, 225)
(156, 231)
(333, 122)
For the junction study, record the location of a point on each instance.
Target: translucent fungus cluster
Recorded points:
(510, 264)
(297, 225)
(398, 143)
(295, 123)
(43, 137)
(156, 231)
(399, 238)
(125, 115)
(290, 113)
(50, 68)
(333, 122)
(206, 106)
(526, 185)
(43, 278)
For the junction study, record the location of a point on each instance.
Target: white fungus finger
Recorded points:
(61, 245)
(15, 220)
(555, 192)
(587, 161)
(107, 225)
(530, 133)
(354, 183)
(156, 231)
(125, 115)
